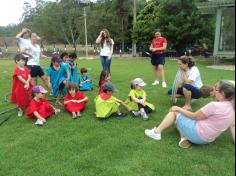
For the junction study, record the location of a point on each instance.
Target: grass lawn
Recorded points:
(90, 147)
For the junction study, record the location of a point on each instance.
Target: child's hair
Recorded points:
(206, 91)
(19, 57)
(188, 60)
(103, 75)
(72, 86)
(63, 55)
(132, 86)
(83, 70)
(73, 56)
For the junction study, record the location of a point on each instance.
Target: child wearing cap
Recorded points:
(137, 99)
(75, 101)
(85, 83)
(56, 78)
(73, 68)
(107, 105)
(21, 87)
(40, 108)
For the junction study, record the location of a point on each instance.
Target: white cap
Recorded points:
(139, 82)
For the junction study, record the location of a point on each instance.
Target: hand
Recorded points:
(26, 86)
(175, 109)
(101, 33)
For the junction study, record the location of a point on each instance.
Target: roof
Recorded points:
(211, 6)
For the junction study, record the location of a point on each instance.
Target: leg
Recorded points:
(161, 72)
(108, 64)
(167, 122)
(155, 72)
(188, 97)
(103, 62)
(46, 82)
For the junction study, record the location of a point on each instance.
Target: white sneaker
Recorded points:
(155, 83)
(39, 122)
(164, 85)
(152, 134)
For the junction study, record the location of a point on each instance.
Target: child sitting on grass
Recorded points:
(137, 99)
(21, 87)
(85, 83)
(106, 105)
(104, 78)
(75, 101)
(39, 107)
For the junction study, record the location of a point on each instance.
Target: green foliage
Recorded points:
(179, 21)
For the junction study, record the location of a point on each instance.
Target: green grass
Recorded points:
(90, 147)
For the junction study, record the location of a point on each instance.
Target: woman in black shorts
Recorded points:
(34, 51)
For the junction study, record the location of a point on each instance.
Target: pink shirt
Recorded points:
(220, 115)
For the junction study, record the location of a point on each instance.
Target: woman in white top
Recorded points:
(23, 40)
(106, 49)
(189, 82)
(34, 52)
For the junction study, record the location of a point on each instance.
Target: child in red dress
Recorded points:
(40, 108)
(21, 87)
(104, 78)
(75, 100)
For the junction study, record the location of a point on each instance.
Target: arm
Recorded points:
(232, 130)
(38, 116)
(123, 104)
(185, 78)
(68, 75)
(25, 51)
(83, 100)
(99, 39)
(161, 48)
(22, 80)
(112, 49)
(198, 115)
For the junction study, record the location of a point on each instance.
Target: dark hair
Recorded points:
(73, 56)
(228, 89)
(206, 91)
(83, 70)
(108, 39)
(63, 55)
(103, 75)
(188, 60)
(19, 57)
(72, 86)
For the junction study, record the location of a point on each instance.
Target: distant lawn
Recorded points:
(90, 147)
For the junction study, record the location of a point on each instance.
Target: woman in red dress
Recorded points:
(75, 100)
(40, 108)
(21, 87)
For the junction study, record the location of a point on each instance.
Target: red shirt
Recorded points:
(158, 43)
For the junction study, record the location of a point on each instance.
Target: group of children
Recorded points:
(63, 76)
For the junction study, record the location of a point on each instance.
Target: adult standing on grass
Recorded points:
(23, 40)
(158, 47)
(106, 49)
(34, 52)
(204, 125)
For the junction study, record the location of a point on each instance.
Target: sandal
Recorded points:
(184, 143)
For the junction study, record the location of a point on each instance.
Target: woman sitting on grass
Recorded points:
(205, 125)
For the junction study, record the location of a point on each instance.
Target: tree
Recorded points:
(178, 20)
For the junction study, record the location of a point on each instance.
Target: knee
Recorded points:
(186, 91)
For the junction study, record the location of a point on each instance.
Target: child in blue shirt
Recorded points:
(85, 82)
(73, 68)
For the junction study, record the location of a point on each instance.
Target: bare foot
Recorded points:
(59, 103)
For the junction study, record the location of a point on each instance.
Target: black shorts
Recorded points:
(158, 59)
(35, 71)
(196, 93)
